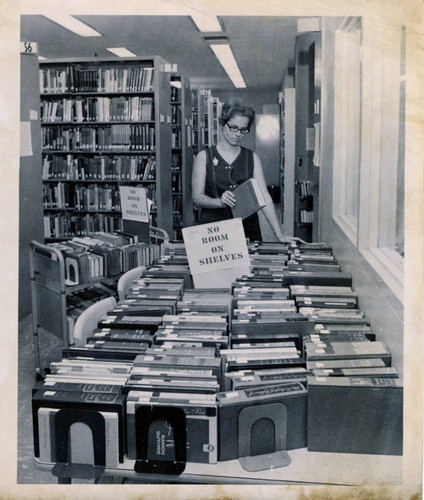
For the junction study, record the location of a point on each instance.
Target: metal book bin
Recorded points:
(49, 291)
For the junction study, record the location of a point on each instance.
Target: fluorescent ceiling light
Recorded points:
(122, 52)
(176, 84)
(206, 22)
(225, 56)
(41, 58)
(72, 24)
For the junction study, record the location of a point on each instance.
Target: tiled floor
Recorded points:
(26, 471)
(51, 348)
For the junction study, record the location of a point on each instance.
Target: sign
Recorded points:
(217, 253)
(29, 48)
(134, 204)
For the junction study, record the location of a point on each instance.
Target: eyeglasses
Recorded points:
(234, 128)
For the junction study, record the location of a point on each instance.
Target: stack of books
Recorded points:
(174, 375)
(103, 255)
(81, 390)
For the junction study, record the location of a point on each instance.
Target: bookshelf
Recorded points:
(30, 186)
(304, 209)
(182, 153)
(213, 108)
(307, 150)
(199, 133)
(287, 158)
(104, 123)
(198, 112)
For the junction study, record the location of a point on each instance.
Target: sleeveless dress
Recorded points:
(222, 176)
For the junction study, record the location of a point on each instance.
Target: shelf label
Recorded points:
(134, 203)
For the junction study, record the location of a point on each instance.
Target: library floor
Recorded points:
(27, 473)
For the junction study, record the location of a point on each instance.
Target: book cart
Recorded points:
(49, 291)
(292, 460)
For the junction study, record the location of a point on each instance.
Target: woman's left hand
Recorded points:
(282, 238)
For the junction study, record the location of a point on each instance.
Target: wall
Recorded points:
(376, 300)
(30, 173)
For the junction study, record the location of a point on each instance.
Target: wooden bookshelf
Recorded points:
(104, 122)
(182, 153)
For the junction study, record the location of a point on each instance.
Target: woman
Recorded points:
(219, 169)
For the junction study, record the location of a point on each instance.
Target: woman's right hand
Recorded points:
(228, 199)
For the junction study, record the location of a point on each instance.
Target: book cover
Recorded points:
(249, 199)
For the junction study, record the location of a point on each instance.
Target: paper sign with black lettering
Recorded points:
(134, 203)
(217, 253)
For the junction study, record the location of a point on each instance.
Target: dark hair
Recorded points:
(236, 106)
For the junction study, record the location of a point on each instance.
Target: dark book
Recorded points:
(170, 384)
(75, 406)
(130, 322)
(258, 364)
(174, 431)
(373, 424)
(251, 421)
(249, 199)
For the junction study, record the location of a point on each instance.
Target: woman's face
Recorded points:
(234, 138)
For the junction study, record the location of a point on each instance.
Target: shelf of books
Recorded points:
(104, 123)
(304, 213)
(212, 108)
(243, 384)
(307, 143)
(182, 153)
(199, 133)
(207, 111)
(68, 277)
(198, 107)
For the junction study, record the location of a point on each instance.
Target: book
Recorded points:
(347, 350)
(170, 384)
(77, 406)
(380, 372)
(171, 425)
(80, 445)
(249, 199)
(373, 424)
(256, 416)
(257, 379)
(345, 363)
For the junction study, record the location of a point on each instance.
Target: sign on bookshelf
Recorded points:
(134, 203)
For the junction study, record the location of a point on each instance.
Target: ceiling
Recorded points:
(263, 46)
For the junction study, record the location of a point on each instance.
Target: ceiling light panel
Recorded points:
(226, 58)
(122, 52)
(206, 23)
(74, 25)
